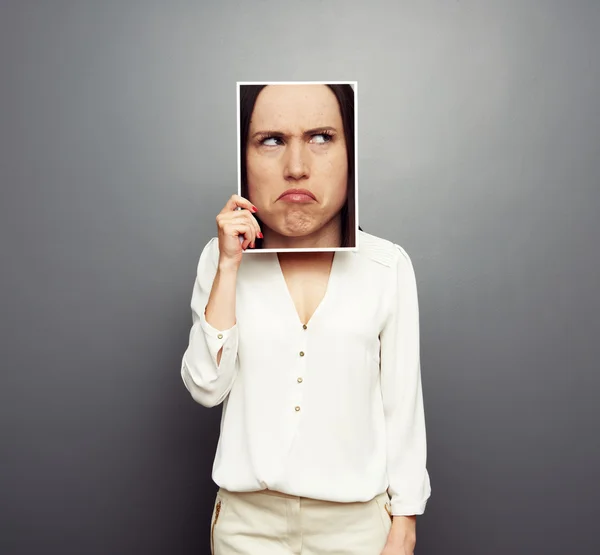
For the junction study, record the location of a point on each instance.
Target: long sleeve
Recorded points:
(207, 381)
(409, 484)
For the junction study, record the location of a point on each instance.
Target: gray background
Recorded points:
(478, 152)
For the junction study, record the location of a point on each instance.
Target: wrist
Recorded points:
(404, 527)
(227, 267)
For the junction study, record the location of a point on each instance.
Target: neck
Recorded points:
(329, 236)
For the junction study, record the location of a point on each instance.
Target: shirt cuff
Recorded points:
(215, 339)
(407, 509)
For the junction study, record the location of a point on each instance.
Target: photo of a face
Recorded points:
(297, 163)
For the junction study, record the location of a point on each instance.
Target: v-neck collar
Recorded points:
(283, 286)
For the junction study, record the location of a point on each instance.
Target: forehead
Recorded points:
(295, 106)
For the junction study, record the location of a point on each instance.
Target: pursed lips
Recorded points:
(297, 195)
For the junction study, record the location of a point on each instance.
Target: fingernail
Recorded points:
(254, 209)
(259, 235)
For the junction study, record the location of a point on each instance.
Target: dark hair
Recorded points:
(345, 97)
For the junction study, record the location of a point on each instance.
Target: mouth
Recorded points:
(297, 195)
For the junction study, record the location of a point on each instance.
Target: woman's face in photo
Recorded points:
(296, 141)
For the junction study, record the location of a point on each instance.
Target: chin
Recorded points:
(294, 233)
(295, 225)
(298, 231)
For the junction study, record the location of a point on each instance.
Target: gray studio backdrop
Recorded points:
(479, 152)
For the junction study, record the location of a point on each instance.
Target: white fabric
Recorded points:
(354, 425)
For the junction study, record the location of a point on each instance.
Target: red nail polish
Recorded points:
(259, 235)
(254, 209)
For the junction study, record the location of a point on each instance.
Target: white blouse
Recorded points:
(332, 410)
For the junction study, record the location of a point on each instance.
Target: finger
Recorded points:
(236, 201)
(235, 218)
(239, 217)
(243, 229)
(252, 220)
(256, 226)
(235, 229)
(248, 238)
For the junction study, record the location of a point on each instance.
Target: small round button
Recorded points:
(299, 380)
(304, 326)
(301, 353)
(220, 336)
(297, 409)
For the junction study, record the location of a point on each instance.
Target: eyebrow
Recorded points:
(314, 131)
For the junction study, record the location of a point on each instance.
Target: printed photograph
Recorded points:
(297, 163)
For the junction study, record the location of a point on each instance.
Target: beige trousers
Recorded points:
(271, 523)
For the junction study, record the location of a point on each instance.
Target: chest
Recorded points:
(306, 288)
(343, 304)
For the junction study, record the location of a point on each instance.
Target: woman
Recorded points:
(314, 355)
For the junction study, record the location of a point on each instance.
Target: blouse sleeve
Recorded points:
(207, 381)
(409, 485)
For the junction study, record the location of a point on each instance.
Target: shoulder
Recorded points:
(382, 251)
(210, 254)
(213, 245)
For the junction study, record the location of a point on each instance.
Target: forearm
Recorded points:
(402, 537)
(404, 526)
(409, 485)
(220, 308)
(209, 363)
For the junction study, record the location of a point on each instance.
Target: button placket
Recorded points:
(301, 371)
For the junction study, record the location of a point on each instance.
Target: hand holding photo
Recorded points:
(297, 163)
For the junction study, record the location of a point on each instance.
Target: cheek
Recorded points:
(261, 170)
(263, 175)
(336, 170)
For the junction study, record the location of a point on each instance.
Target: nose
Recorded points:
(296, 163)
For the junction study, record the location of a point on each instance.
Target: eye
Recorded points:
(322, 138)
(271, 141)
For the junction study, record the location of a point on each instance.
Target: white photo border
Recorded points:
(354, 85)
